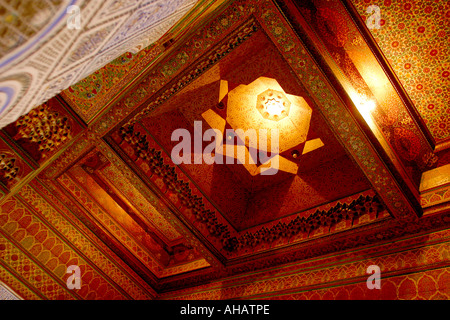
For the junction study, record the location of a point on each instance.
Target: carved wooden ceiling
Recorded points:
(88, 178)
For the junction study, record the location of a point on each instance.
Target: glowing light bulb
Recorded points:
(368, 105)
(274, 107)
(365, 107)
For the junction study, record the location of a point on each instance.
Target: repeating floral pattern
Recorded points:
(426, 285)
(414, 38)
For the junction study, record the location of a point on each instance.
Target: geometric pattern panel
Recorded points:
(86, 95)
(52, 206)
(42, 244)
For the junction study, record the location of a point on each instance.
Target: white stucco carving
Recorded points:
(45, 51)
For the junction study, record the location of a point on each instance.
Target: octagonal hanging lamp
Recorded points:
(263, 104)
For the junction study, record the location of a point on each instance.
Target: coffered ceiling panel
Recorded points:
(245, 198)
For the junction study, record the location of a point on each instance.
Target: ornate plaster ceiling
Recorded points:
(47, 47)
(109, 198)
(128, 217)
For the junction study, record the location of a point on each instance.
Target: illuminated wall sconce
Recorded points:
(365, 107)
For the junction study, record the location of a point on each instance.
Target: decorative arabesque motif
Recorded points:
(22, 20)
(46, 128)
(43, 50)
(8, 168)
